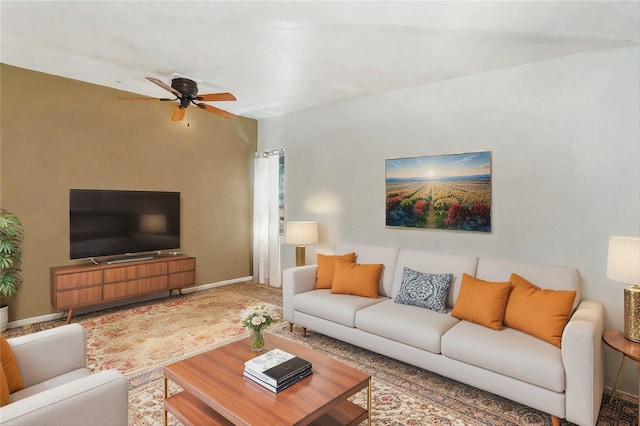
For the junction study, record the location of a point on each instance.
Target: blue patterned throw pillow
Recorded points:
(424, 290)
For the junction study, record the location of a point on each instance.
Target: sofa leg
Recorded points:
(290, 327)
(304, 331)
(555, 421)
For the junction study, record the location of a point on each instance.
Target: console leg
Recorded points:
(555, 421)
(290, 327)
(304, 331)
(69, 315)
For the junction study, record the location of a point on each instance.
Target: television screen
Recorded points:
(116, 222)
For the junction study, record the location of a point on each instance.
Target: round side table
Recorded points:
(629, 349)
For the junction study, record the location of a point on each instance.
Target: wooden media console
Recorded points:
(78, 286)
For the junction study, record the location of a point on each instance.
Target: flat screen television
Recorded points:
(117, 222)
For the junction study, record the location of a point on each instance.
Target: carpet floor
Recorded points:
(140, 339)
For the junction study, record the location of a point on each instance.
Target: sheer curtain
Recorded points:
(267, 217)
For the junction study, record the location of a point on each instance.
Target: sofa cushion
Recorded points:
(540, 312)
(10, 366)
(509, 352)
(356, 278)
(374, 254)
(481, 302)
(544, 276)
(339, 308)
(411, 325)
(424, 290)
(50, 384)
(326, 268)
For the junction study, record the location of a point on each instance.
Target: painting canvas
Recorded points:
(440, 192)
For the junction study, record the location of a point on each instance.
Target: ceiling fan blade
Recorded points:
(146, 99)
(214, 110)
(164, 86)
(178, 113)
(215, 97)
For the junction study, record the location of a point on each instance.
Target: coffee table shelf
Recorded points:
(193, 412)
(215, 392)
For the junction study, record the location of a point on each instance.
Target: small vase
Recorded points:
(256, 340)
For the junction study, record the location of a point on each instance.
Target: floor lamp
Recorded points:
(301, 234)
(623, 264)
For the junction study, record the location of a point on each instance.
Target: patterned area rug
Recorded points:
(140, 339)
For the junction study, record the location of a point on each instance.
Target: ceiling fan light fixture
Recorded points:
(187, 87)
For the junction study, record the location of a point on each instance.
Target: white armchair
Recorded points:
(59, 389)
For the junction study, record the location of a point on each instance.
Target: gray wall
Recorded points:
(565, 143)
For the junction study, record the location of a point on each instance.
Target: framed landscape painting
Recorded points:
(440, 192)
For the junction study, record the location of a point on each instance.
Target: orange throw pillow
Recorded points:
(4, 388)
(326, 268)
(357, 279)
(481, 302)
(543, 313)
(10, 366)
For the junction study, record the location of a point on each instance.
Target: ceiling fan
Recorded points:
(186, 92)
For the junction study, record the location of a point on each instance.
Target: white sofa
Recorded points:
(59, 389)
(566, 383)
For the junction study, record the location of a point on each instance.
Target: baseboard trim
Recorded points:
(58, 315)
(216, 284)
(34, 320)
(627, 396)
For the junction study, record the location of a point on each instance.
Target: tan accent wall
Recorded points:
(58, 133)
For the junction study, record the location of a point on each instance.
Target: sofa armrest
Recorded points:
(296, 280)
(98, 399)
(49, 353)
(582, 356)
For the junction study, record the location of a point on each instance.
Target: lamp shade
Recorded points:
(301, 233)
(623, 262)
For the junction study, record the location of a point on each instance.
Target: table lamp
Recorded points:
(623, 264)
(301, 233)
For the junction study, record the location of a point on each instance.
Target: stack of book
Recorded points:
(277, 369)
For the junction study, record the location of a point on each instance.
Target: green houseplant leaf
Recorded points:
(10, 279)
(11, 235)
(9, 252)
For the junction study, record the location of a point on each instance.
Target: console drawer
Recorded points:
(182, 265)
(85, 279)
(121, 289)
(182, 279)
(152, 269)
(152, 284)
(123, 273)
(89, 295)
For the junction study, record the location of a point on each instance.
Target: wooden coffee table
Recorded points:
(215, 392)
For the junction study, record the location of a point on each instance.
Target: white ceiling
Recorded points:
(282, 57)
